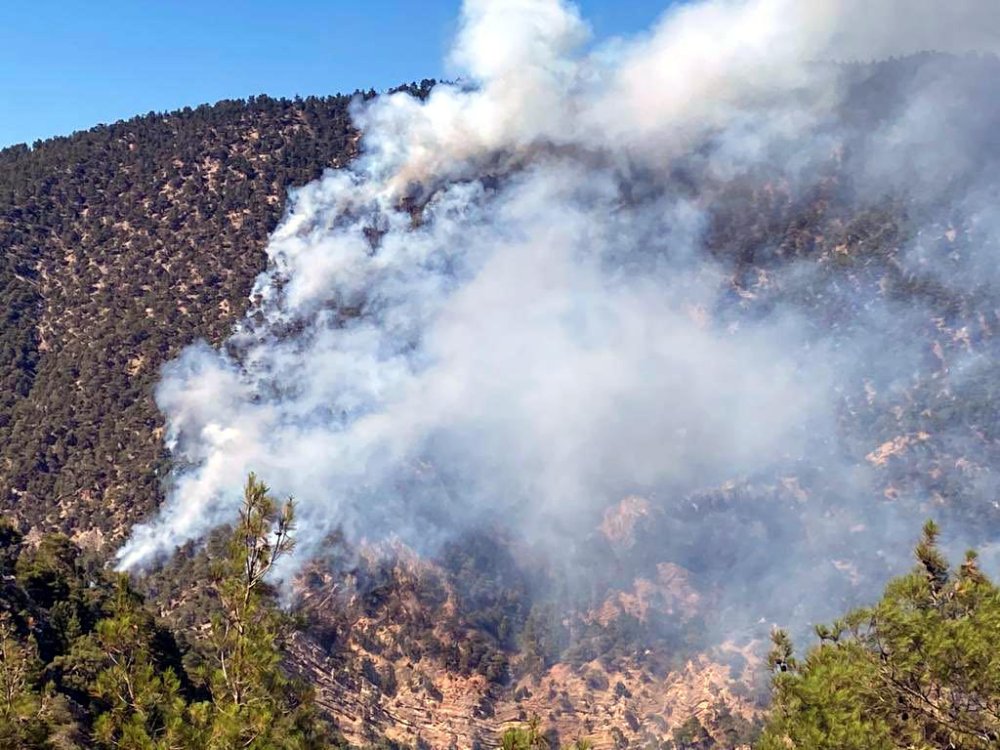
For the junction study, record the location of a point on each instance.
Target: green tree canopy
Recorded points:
(255, 705)
(112, 676)
(920, 669)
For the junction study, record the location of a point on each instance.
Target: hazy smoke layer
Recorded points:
(503, 309)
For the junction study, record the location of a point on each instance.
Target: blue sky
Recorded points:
(66, 65)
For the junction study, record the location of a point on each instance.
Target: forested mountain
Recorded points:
(121, 245)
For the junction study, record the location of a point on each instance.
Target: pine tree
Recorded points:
(105, 674)
(144, 706)
(527, 737)
(920, 669)
(255, 705)
(22, 709)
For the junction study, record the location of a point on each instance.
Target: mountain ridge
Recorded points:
(125, 243)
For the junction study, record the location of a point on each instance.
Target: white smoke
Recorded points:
(497, 312)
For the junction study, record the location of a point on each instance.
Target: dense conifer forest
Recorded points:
(120, 245)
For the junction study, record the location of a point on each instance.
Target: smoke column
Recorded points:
(502, 310)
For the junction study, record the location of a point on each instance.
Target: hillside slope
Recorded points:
(123, 244)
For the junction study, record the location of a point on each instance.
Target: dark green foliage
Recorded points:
(55, 583)
(22, 708)
(66, 621)
(10, 545)
(254, 703)
(84, 663)
(920, 669)
(118, 246)
(526, 737)
(543, 639)
(136, 686)
(692, 736)
(492, 586)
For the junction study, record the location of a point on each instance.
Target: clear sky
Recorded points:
(67, 65)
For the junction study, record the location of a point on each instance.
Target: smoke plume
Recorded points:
(504, 311)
